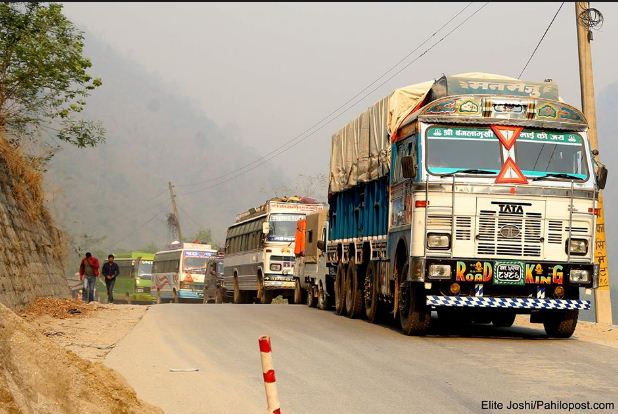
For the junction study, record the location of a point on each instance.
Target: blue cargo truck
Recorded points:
(475, 196)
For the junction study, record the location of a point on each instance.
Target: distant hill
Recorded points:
(607, 108)
(115, 197)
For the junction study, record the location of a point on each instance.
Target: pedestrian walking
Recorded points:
(110, 272)
(88, 272)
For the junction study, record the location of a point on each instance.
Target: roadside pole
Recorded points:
(602, 302)
(175, 210)
(268, 371)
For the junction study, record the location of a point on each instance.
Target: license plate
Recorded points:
(139, 290)
(509, 273)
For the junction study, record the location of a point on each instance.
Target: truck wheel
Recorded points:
(372, 304)
(219, 296)
(298, 293)
(503, 319)
(339, 289)
(353, 292)
(561, 324)
(322, 300)
(414, 315)
(312, 300)
(265, 296)
(238, 297)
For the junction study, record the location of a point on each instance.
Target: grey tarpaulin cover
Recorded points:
(361, 150)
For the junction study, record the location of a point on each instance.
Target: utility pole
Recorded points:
(585, 19)
(175, 211)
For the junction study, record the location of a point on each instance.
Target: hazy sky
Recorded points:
(267, 72)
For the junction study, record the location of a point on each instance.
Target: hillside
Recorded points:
(115, 197)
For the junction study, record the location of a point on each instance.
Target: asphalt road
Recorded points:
(331, 364)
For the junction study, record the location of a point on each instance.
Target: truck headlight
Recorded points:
(579, 276)
(578, 247)
(439, 271)
(275, 267)
(440, 241)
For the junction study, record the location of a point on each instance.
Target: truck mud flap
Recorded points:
(508, 303)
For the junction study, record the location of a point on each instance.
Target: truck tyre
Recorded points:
(219, 296)
(264, 296)
(298, 293)
(238, 296)
(339, 289)
(503, 319)
(312, 300)
(353, 292)
(414, 315)
(561, 324)
(372, 304)
(322, 300)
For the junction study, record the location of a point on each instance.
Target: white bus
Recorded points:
(178, 274)
(259, 251)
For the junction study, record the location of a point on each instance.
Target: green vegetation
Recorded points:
(44, 77)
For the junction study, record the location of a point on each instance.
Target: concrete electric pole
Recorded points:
(586, 19)
(175, 211)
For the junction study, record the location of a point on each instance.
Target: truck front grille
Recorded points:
(492, 242)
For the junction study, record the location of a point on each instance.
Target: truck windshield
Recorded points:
(453, 149)
(540, 153)
(283, 227)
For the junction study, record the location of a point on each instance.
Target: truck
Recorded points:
(474, 196)
(310, 264)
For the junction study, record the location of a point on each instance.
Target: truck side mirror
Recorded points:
(321, 245)
(601, 176)
(408, 167)
(265, 227)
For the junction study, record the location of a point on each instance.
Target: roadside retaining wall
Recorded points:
(31, 248)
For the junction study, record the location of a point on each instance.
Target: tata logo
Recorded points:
(511, 208)
(510, 232)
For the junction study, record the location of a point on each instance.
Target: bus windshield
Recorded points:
(283, 227)
(145, 268)
(539, 153)
(453, 149)
(195, 261)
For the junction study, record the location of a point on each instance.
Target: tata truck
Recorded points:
(473, 195)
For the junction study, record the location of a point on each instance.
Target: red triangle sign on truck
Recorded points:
(510, 174)
(507, 134)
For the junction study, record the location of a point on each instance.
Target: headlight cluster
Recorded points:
(579, 276)
(577, 247)
(439, 271)
(438, 241)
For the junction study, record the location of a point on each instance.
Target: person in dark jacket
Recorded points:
(110, 272)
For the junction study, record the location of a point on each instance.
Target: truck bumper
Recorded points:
(506, 303)
(272, 282)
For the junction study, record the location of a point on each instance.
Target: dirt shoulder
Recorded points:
(40, 372)
(92, 333)
(586, 331)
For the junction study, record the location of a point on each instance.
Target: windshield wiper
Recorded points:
(557, 175)
(468, 171)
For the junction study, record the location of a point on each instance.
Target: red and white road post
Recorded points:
(270, 384)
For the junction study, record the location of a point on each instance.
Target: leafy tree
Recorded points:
(43, 75)
(203, 236)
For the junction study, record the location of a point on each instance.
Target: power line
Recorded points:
(315, 125)
(291, 144)
(540, 41)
